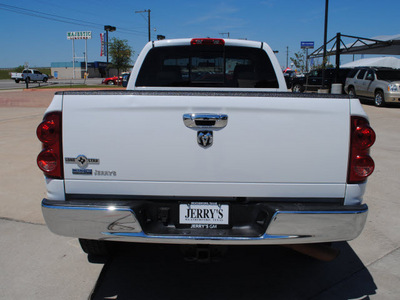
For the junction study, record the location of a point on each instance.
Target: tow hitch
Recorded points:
(203, 253)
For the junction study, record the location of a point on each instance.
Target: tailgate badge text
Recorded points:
(82, 161)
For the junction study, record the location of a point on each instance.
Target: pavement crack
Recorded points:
(21, 118)
(365, 267)
(338, 282)
(21, 221)
(382, 257)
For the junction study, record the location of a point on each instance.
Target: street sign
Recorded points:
(79, 35)
(307, 45)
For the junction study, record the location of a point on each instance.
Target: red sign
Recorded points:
(102, 50)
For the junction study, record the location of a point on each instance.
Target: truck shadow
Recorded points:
(146, 271)
(370, 102)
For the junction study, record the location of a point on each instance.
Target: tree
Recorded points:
(120, 53)
(299, 60)
(19, 69)
(321, 65)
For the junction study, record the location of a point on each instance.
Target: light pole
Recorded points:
(108, 28)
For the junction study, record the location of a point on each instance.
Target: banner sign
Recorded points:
(307, 45)
(102, 44)
(79, 35)
(103, 49)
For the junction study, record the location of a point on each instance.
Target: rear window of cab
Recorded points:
(207, 66)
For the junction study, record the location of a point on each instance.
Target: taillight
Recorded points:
(47, 160)
(207, 41)
(361, 165)
(49, 133)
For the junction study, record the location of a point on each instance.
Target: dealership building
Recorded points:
(66, 70)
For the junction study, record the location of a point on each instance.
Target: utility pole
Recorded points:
(223, 33)
(287, 56)
(338, 43)
(325, 38)
(148, 19)
(73, 59)
(306, 60)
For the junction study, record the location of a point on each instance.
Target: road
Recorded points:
(8, 84)
(36, 264)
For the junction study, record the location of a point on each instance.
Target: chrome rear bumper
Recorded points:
(119, 223)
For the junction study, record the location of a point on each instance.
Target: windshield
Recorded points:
(389, 75)
(207, 66)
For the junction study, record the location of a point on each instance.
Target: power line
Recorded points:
(45, 15)
(61, 19)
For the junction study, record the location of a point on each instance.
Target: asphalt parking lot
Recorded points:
(36, 264)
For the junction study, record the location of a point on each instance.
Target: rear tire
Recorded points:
(352, 92)
(27, 79)
(297, 88)
(16, 80)
(45, 79)
(379, 99)
(95, 247)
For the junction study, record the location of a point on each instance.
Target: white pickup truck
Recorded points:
(206, 146)
(29, 75)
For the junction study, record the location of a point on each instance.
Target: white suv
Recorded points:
(379, 84)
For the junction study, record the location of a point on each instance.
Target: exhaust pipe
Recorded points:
(318, 251)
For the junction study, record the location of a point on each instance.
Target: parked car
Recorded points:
(115, 80)
(29, 75)
(289, 75)
(125, 79)
(379, 84)
(312, 81)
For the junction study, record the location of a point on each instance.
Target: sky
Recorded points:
(35, 31)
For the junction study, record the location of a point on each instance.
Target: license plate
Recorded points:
(204, 213)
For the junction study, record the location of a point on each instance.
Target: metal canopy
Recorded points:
(381, 45)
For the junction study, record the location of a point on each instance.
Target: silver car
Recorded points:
(379, 84)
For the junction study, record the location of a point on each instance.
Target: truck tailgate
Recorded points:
(272, 146)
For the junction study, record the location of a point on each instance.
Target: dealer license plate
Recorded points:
(204, 213)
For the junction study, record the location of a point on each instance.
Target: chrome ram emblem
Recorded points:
(205, 138)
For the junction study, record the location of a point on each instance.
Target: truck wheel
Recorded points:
(352, 92)
(297, 88)
(45, 79)
(379, 99)
(27, 79)
(16, 80)
(95, 247)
